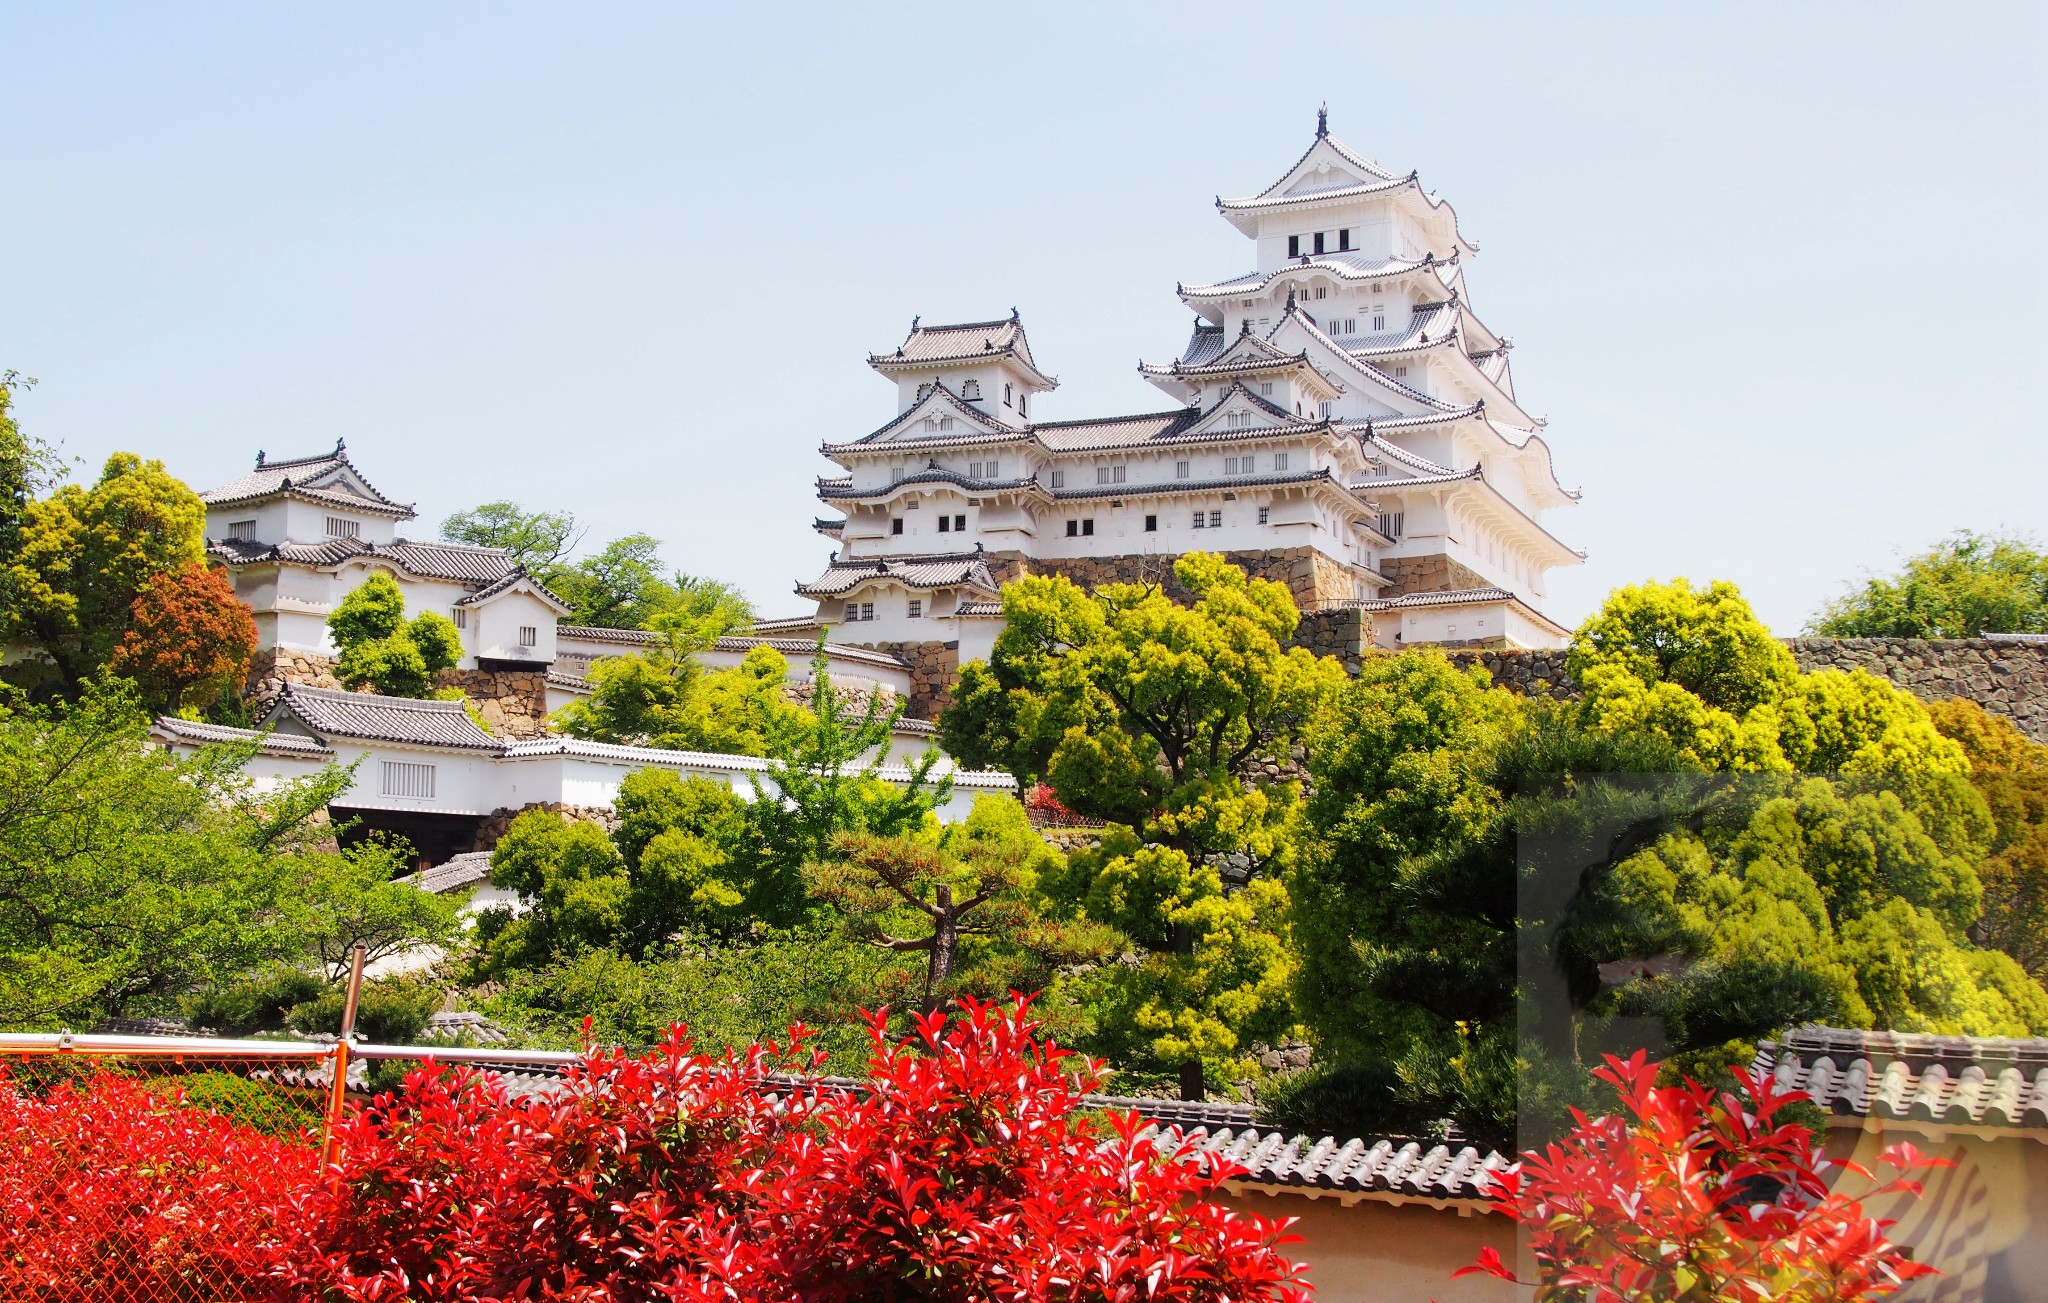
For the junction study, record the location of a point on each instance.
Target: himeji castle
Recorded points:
(1342, 421)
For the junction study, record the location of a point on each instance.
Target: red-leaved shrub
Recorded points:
(113, 1188)
(1700, 1197)
(963, 1170)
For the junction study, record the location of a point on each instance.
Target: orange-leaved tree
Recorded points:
(189, 639)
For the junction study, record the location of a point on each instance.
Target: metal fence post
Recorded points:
(337, 1094)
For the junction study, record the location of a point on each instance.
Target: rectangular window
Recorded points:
(1391, 522)
(867, 611)
(1344, 240)
(1087, 527)
(995, 470)
(1180, 470)
(1006, 397)
(1322, 291)
(337, 527)
(853, 612)
(1059, 479)
(910, 505)
(1379, 321)
(1294, 246)
(974, 470)
(1073, 529)
(1021, 400)
(917, 608)
(895, 473)
(1319, 241)
(896, 524)
(529, 635)
(945, 422)
(1151, 524)
(1201, 520)
(1265, 515)
(1109, 474)
(1239, 465)
(945, 524)
(408, 779)
(1215, 520)
(959, 524)
(1265, 388)
(1400, 370)
(242, 531)
(1279, 461)
(462, 617)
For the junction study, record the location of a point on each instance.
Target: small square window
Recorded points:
(1400, 370)
(242, 531)
(1344, 240)
(1059, 479)
(945, 524)
(461, 617)
(529, 635)
(1215, 520)
(1379, 322)
(1201, 520)
(852, 612)
(1088, 526)
(896, 473)
(896, 525)
(959, 524)
(1280, 458)
(1265, 388)
(867, 611)
(1180, 470)
(974, 470)
(341, 527)
(1322, 291)
(917, 608)
(1265, 515)
(1294, 246)
(995, 470)
(1151, 524)
(1073, 529)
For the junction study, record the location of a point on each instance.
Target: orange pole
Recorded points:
(338, 1093)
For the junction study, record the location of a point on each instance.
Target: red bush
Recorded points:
(1693, 1196)
(962, 1172)
(110, 1189)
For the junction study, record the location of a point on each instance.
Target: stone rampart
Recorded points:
(934, 669)
(514, 703)
(1315, 580)
(2005, 678)
(493, 825)
(1434, 573)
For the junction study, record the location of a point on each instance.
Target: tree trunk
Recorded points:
(1191, 1071)
(945, 941)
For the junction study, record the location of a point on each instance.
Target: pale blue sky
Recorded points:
(1775, 272)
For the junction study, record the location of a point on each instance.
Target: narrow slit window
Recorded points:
(461, 617)
(342, 527)
(896, 524)
(1279, 461)
(1265, 515)
(529, 635)
(917, 608)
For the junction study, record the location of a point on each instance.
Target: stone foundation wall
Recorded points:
(493, 825)
(934, 669)
(2009, 679)
(513, 702)
(273, 667)
(1315, 580)
(1435, 573)
(1344, 633)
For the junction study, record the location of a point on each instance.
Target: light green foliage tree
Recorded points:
(662, 697)
(28, 466)
(2011, 771)
(540, 541)
(357, 898)
(130, 878)
(1214, 966)
(1697, 668)
(1145, 711)
(382, 650)
(83, 555)
(1967, 586)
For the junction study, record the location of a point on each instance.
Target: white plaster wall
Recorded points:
(306, 522)
(494, 628)
(464, 782)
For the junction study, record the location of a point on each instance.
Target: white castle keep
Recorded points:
(1343, 423)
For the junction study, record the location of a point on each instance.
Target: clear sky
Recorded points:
(1775, 272)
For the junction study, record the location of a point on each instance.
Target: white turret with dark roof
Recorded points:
(297, 536)
(1343, 422)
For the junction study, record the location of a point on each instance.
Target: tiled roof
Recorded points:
(468, 869)
(366, 717)
(460, 562)
(824, 526)
(1350, 265)
(1205, 343)
(538, 747)
(916, 727)
(511, 579)
(1452, 597)
(968, 569)
(798, 649)
(1388, 1166)
(2034, 639)
(941, 402)
(1114, 431)
(597, 633)
(1374, 445)
(1179, 1112)
(1983, 1081)
(966, 342)
(785, 624)
(834, 490)
(978, 610)
(328, 477)
(198, 733)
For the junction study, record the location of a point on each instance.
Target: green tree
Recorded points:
(383, 650)
(130, 877)
(662, 697)
(1969, 585)
(358, 898)
(85, 554)
(28, 467)
(2011, 772)
(1138, 709)
(541, 541)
